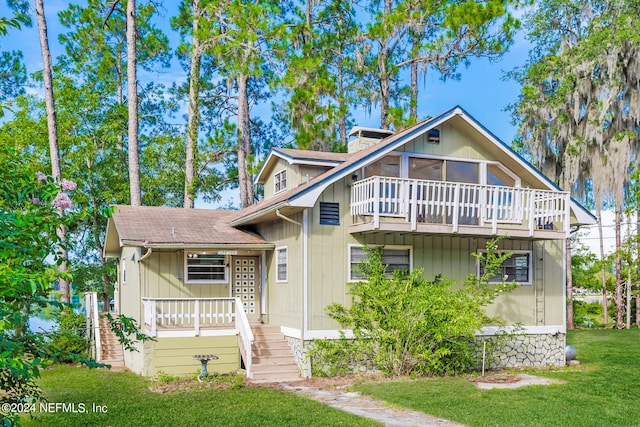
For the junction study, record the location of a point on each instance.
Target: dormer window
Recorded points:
(280, 181)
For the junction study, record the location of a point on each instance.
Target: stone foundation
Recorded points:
(299, 349)
(507, 351)
(521, 350)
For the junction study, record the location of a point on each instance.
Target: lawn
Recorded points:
(603, 391)
(129, 401)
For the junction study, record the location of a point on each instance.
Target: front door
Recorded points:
(246, 284)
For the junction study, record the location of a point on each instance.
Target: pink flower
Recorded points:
(41, 176)
(68, 185)
(36, 201)
(62, 201)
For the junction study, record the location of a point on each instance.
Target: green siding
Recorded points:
(284, 299)
(174, 355)
(449, 256)
(129, 292)
(163, 277)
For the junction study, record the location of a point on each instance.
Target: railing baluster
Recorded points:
(427, 200)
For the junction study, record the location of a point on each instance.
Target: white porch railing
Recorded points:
(456, 203)
(93, 324)
(197, 314)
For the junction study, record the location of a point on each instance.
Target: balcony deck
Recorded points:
(438, 207)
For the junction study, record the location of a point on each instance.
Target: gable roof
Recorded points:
(162, 227)
(305, 157)
(307, 194)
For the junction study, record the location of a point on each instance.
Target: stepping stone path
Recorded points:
(367, 407)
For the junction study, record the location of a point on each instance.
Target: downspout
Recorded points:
(286, 218)
(146, 255)
(305, 274)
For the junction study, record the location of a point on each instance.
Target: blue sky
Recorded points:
(482, 90)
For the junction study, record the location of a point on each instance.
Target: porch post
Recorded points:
(153, 318)
(196, 313)
(376, 202)
(414, 205)
(532, 208)
(456, 207)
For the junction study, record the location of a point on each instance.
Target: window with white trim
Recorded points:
(281, 264)
(515, 268)
(394, 257)
(280, 181)
(123, 271)
(205, 268)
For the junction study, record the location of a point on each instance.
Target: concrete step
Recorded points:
(276, 376)
(272, 358)
(271, 352)
(273, 345)
(266, 329)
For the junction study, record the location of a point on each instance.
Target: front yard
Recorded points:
(603, 390)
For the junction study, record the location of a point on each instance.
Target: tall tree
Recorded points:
(440, 34)
(132, 103)
(244, 32)
(321, 73)
(197, 51)
(578, 109)
(54, 151)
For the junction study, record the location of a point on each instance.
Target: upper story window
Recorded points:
(515, 268)
(205, 268)
(386, 166)
(280, 181)
(393, 257)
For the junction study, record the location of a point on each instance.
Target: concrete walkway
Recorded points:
(367, 407)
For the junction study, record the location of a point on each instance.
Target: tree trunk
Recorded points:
(244, 143)
(619, 295)
(570, 324)
(342, 113)
(193, 121)
(385, 87)
(132, 102)
(54, 151)
(605, 303)
(413, 105)
(637, 296)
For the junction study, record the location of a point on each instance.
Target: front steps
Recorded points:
(271, 356)
(111, 350)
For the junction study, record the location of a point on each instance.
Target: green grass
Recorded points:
(130, 402)
(603, 391)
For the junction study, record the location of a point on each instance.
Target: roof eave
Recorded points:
(186, 245)
(245, 219)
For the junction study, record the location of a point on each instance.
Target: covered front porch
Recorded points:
(439, 207)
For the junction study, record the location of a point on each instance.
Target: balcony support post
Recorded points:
(376, 202)
(456, 207)
(414, 206)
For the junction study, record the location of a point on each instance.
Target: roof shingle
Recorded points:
(152, 225)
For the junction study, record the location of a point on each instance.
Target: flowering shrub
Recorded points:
(30, 215)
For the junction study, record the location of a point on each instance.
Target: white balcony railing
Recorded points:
(195, 315)
(457, 203)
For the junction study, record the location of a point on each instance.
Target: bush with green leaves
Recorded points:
(32, 209)
(70, 336)
(404, 324)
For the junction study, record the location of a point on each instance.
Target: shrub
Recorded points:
(405, 324)
(70, 336)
